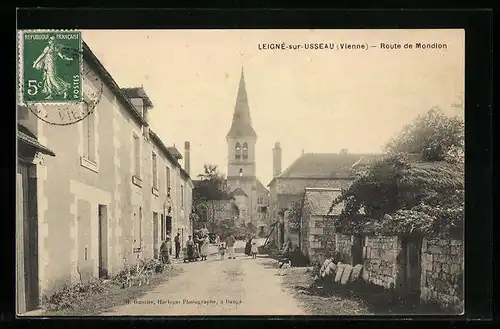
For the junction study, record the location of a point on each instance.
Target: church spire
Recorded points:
(242, 123)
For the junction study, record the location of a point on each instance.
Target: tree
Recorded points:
(294, 215)
(397, 195)
(212, 185)
(433, 135)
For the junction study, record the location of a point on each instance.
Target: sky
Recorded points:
(316, 101)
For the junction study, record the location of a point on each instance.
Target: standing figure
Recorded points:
(165, 256)
(204, 248)
(254, 249)
(230, 240)
(177, 241)
(190, 249)
(222, 250)
(248, 246)
(52, 83)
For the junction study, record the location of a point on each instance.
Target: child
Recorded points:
(222, 251)
(254, 249)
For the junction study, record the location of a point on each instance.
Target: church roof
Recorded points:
(327, 165)
(238, 191)
(242, 123)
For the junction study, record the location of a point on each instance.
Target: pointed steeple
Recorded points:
(242, 123)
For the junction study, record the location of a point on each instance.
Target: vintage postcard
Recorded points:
(240, 172)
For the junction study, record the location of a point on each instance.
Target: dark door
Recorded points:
(357, 250)
(162, 228)
(103, 241)
(412, 249)
(169, 224)
(30, 235)
(155, 235)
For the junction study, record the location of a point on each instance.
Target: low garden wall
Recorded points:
(381, 265)
(442, 273)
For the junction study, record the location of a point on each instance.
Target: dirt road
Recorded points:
(241, 286)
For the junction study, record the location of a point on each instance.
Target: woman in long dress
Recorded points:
(204, 248)
(51, 83)
(248, 246)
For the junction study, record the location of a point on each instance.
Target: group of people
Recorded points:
(197, 245)
(251, 247)
(227, 245)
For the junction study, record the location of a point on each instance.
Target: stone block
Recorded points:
(315, 244)
(434, 249)
(346, 274)
(356, 273)
(424, 245)
(425, 294)
(332, 270)
(312, 223)
(455, 269)
(340, 270)
(315, 230)
(365, 274)
(427, 258)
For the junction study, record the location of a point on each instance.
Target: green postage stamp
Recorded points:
(51, 63)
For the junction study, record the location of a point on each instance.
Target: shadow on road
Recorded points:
(376, 299)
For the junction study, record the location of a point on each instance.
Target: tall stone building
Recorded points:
(250, 194)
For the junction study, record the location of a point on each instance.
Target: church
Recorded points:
(250, 195)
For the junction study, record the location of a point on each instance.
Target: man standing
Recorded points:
(177, 241)
(165, 257)
(230, 240)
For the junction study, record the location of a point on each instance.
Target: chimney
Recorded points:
(276, 159)
(187, 159)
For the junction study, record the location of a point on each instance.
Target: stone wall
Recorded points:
(380, 255)
(343, 247)
(318, 238)
(442, 273)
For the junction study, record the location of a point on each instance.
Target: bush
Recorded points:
(72, 295)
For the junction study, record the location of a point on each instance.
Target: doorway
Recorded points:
(103, 240)
(357, 250)
(169, 224)
(155, 235)
(27, 235)
(412, 253)
(162, 228)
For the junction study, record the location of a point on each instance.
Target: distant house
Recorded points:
(316, 229)
(311, 170)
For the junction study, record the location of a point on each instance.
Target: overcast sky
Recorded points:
(319, 101)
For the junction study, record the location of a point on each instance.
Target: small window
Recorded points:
(245, 151)
(138, 228)
(241, 171)
(182, 196)
(137, 156)
(155, 171)
(89, 141)
(168, 179)
(237, 151)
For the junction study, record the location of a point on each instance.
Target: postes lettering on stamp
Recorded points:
(56, 85)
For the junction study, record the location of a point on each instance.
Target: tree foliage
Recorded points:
(435, 136)
(399, 195)
(212, 185)
(294, 215)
